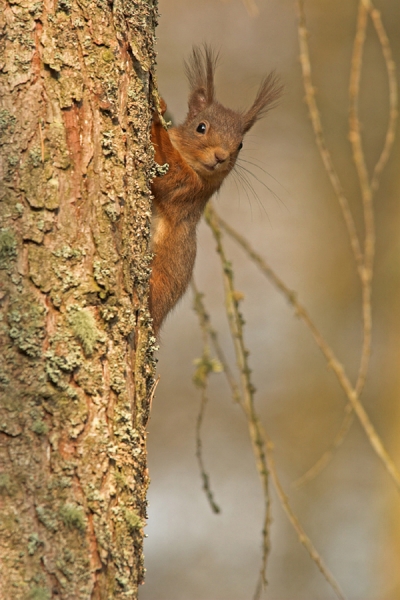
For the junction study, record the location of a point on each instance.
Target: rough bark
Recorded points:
(76, 343)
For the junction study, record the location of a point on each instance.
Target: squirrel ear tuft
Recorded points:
(268, 94)
(200, 69)
(197, 102)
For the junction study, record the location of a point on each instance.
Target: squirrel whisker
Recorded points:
(260, 181)
(247, 185)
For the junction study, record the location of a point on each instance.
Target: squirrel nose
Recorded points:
(221, 155)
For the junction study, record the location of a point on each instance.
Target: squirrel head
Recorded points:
(211, 136)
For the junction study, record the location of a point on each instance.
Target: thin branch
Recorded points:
(199, 453)
(258, 436)
(369, 189)
(369, 243)
(205, 366)
(305, 540)
(206, 327)
(327, 456)
(366, 191)
(393, 96)
(236, 322)
(320, 138)
(330, 357)
(366, 273)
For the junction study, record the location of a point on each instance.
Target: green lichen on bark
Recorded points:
(75, 331)
(83, 324)
(26, 324)
(73, 517)
(8, 245)
(39, 593)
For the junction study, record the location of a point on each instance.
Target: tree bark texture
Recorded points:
(76, 343)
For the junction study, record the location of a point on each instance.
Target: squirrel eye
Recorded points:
(240, 146)
(201, 128)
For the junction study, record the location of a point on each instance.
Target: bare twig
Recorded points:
(366, 191)
(305, 540)
(258, 436)
(205, 366)
(207, 328)
(330, 357)
(326, 457)
(320, 138)
(367, 188)
(364, 259)
(199, 453)
(366, 271)
(393, 96)
(235, 320)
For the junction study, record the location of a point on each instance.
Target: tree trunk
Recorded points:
(76, 342)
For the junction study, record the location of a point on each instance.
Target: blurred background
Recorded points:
(351, 510)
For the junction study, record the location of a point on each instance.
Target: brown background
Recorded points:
(351, 511)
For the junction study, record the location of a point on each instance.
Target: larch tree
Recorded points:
(77, 348)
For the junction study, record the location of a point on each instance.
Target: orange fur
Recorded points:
(200, 153)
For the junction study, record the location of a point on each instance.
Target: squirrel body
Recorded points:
(200, 153)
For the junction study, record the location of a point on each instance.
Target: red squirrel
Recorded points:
(200, 153)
